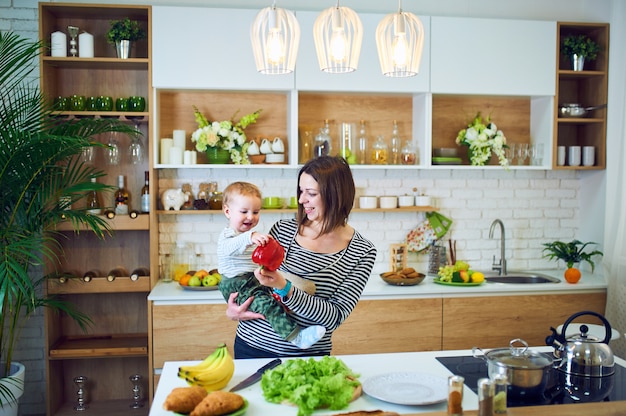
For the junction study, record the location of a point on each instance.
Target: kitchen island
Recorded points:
(370, 365)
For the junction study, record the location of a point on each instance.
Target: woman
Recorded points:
(323, 249)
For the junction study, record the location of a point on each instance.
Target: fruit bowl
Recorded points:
(402, 280)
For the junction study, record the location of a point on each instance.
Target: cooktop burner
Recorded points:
(560, 391)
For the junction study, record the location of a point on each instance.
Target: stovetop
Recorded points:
(474, 368)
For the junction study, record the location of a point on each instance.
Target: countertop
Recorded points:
(171, 293)
(367, 365)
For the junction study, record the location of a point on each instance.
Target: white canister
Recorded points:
(422, 200)
(589, 156)
(560, 156)
(388, 202)
(574, 155)
(406, 200)
(367, 202)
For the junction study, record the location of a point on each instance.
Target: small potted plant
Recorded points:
(579, 48)
(122, 33)
(571, 253)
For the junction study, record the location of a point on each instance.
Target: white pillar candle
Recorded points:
(194, 157)
(176, 156)
(85, 45)
(179, 139)
(166, 145)
(58, 44)
(187, 157)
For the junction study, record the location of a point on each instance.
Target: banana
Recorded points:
(208, 363)
(213, 373)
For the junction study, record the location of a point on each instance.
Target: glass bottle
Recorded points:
(408, 155)
(145, 194)
(362, 143)
(322, 143)
(380, 152)
(115, 273)
(346, 135)
(140, 271)
(122, 198)
(180, 260)
(90, 274)
(395, 144)
(93, 201)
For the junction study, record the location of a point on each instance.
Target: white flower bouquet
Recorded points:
(483, 138)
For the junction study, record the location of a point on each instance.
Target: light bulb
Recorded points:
(400, 50)
(338, 44)
(275, 47)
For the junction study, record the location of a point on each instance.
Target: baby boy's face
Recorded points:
(243, 212)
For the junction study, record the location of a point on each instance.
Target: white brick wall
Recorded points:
(535, 206)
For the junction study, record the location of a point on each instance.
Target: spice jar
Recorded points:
(499, 394)
(485, 397)
(380, 152)
(455, 395)
(215, 200)
(409, 154)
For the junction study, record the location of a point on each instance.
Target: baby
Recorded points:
(241, 205)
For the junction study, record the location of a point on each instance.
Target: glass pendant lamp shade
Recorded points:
(275, 36)
(400, 42)
(338, 34)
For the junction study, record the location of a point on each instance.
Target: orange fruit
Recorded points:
(572, 275)
(184, 280)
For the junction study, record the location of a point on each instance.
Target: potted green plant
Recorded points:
(579, 48)
(571, 253)
(41, 176)
(122, 33)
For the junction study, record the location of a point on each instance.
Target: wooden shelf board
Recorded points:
(96, 63)
(102, 114)
(99, 284)
(289, 210)
(119, 222)
(106, 407)
(575, 120)
(567, 73)
(110, 345)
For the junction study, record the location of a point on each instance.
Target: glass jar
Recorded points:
(180, 259)
(322, 143)
(215, 200)
(380, 152)
(347, 134)
(408, 155)
(455, 395)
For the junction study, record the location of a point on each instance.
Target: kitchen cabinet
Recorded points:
(368, 77)
(476, 56)
(115, 346)
(207, 48)
(588, 88)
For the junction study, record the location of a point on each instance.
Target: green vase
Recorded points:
(217, 156)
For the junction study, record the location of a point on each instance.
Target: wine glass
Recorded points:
(509, 153)
(113, 150)
(521, 151)
(136, 150)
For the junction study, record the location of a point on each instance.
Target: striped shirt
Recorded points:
(234, 253)
(339, 279)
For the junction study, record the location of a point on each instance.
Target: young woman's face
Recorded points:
(310, 198)
(243, 212)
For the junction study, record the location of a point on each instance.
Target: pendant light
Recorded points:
(400, 42)
(338, 34)
(275, 36)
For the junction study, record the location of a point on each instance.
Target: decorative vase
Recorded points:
(16, 386)
(217, 156)
(123, 48)
(578, 62)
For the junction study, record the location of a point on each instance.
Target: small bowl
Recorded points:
(445, 152)
(404, 281)
(275, 158)
(367, 202)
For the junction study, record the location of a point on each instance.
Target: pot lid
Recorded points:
(519, 357)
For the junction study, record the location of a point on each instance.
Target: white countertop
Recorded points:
(367, 365)
(172, 293)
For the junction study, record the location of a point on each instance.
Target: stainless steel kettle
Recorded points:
(583, 354)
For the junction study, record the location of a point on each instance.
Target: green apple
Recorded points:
(195, 281)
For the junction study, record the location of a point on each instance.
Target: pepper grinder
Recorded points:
(80, 382)
(137, 403)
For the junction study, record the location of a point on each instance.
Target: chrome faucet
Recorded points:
(501, 265)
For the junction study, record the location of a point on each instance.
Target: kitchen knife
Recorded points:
(257, 375)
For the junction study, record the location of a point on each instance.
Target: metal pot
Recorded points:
(576, 110)
(527, 371)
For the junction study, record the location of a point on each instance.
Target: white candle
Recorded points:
(194, 157)
(179, 139)
(58, 44)
(166, 145)
(187, 157)
(176, 156)
(85, 45)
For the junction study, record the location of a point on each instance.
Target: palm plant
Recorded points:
(41, 175)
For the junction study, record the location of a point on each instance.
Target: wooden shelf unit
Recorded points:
(588, 88)
(115, 344)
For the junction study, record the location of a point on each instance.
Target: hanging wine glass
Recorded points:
(136, 150)
(113, 150)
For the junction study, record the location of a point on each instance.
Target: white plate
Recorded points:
(407, 388)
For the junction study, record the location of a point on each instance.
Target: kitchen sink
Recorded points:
(521, 278)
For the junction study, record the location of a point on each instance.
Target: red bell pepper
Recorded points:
(269, 256)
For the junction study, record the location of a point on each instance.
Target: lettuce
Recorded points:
(310, 384)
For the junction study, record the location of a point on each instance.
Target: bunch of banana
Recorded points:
(212, 373)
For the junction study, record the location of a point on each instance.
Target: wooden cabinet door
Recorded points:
(207, 48)
(368, 77)
(491, 322)
(492, 56)
(382, 326)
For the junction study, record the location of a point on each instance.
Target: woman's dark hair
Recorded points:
(336, 187)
